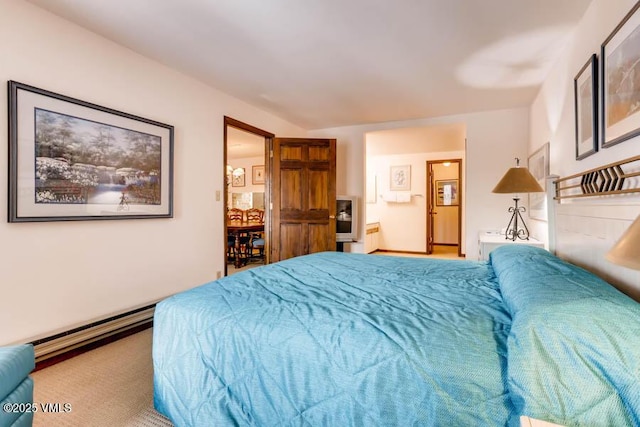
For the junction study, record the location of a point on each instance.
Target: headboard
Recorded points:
(589, 211)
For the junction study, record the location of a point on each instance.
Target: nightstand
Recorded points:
(489, 241)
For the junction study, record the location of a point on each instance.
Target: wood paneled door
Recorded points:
(303, 194)
(430, 207)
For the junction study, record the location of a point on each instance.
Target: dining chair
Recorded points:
(235, 214)
(255, 215)
(244, 250)
(257, 239)
(257, 243)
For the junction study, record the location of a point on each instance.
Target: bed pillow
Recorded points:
(574, 344)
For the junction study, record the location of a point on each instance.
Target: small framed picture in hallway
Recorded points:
(73, 160)
(447, 192)
(400, 178)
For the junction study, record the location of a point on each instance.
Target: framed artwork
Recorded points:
(538, 164)
(238, 177)
(257, 175)
(585, 88)
(400, 178)
(620, 63)
(447, 192)
(73, 160)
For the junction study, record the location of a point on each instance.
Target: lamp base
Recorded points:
(513, 231)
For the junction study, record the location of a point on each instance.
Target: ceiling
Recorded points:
(241, 144)
(329, 63)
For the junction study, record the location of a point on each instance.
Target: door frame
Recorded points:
(431, 198)
(268, 141)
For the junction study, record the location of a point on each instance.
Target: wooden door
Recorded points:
(303, 196)
(430, 207)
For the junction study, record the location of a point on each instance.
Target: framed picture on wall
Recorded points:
(400, 177)
(538, 164)
(257, 174)
(620, 62)
(585, 89)
(447, 192)
(73, 160)
(238, 177)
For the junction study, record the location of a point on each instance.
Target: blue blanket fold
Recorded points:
(574, 345)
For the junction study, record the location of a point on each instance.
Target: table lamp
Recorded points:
(626, 251)
(517, 180)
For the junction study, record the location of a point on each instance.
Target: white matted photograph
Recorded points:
(73, 160)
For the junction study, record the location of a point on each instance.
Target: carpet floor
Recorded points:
(109, 386)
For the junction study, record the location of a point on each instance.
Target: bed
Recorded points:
(339, 339)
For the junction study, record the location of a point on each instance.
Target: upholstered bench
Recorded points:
(16, 387)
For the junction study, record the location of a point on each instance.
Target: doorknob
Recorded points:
(332, 217)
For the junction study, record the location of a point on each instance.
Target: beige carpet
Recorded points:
(110, 386)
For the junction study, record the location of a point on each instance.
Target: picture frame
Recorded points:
(585, 89)
(238, 177)
(619, 59)
(71, 160)
(257, 174)
(400, 178)
(538, 165)
(447, 192)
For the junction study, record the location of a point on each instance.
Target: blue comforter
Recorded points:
(336, 339)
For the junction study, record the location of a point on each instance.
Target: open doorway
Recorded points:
(444, 206)
(247, 184)
(395, 215)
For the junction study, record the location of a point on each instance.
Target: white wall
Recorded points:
(247, 163)
(590, 226)
(58, 275)
(494, 139)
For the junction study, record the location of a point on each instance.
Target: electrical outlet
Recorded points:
(218, 274)
(217, 195)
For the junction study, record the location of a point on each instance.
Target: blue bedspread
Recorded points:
(336, 339)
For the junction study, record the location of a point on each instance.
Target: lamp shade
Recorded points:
(627, 251)
(518, 180)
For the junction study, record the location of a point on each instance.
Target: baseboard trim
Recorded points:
(401, 252)
(462, 255)
(83, 338)
(76, 351)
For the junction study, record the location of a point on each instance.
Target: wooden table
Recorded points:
(237, 228)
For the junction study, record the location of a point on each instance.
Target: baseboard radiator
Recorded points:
(64, 342)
